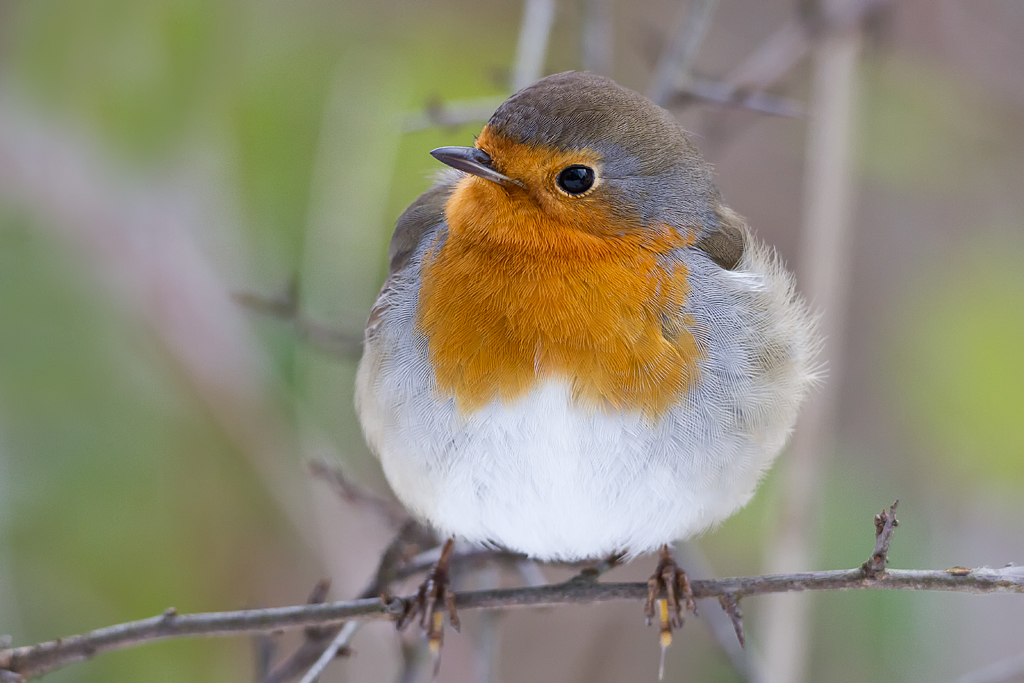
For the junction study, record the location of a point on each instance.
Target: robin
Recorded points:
(579, 352)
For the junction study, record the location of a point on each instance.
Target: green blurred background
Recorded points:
(152, 433)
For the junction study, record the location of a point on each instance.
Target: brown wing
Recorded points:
(421, 216)
(725, 243)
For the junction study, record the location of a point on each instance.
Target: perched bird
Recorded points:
(579, 350)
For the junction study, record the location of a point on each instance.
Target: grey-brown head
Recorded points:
(610, 141)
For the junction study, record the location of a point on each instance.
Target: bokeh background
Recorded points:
(159, 156)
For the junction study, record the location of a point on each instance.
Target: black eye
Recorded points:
(576, 179)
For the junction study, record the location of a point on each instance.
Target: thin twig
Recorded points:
(597, 40)
(34, 660)
(413, 651)
(393, 513)
(264, 654)
(731, 606)
(332, 651)
(885, 524)
(824, 274)
(532, 47)
(328, 339)
(485, 635)
(394, 565)
(724, 627)
(1004, 671)
(729, 95)
(673, 69)
(451, 115)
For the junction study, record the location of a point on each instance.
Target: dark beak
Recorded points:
(473, 161)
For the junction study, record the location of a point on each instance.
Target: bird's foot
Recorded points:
(666, 586)
(434, 597)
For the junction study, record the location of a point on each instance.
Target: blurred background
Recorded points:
(163, 162)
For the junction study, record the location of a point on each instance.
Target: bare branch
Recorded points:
(394, 565)
(389, 510)
(725, 626)
(337, 646)
(673, 69)
(731, 605)
(885, 524)
(729, 95)
(328, 339)
(597, 40)
(438, 114)
(33, 660)
(532, 48)
(1004, 671)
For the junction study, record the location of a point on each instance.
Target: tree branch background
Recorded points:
(157, 157)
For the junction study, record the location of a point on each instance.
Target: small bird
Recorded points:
(579, 352)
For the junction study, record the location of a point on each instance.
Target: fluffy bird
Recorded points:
(580, 352)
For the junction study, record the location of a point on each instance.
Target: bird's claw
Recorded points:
(434, 597)
(671, 581)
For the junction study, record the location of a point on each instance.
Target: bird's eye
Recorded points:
(576, 179)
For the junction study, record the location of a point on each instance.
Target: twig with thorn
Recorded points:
(410, 539)
(731, 605)
(673, 69)
(390, 511)
(335, 649)
(885, 524)
(34, 660)
(330, 340)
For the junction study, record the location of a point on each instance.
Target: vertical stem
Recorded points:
(538, 16)
(486, 640)
(10, 619)
(597, 36)
(673, 69)
(824, 268)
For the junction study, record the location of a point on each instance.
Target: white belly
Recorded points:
(541, 478)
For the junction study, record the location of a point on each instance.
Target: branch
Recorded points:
(390, 511)
(1004, 671)
(328, 339)
(392, 566)
(532, 47)
(34, 660)
(673, 68)
(885, 524)
(438, 114)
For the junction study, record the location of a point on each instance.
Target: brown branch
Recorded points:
(731, 606)
(729, 95)
(34, 660)
(885, 524)
(451, 115)
(1005, 670)
(390, 511)
(673, 67)
(394, 565)
(325, 338)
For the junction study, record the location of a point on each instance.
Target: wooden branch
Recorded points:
(532, 47)
(34, 660)
(673, 69)
(328, 339)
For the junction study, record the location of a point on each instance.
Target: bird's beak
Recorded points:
(474, 161)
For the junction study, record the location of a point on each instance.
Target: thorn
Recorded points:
(319, 592)
(730, 603)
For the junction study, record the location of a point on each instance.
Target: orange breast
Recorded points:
(516, 295)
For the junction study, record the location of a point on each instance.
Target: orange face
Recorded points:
(533, 283)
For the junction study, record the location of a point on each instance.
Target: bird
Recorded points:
(579, 352)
